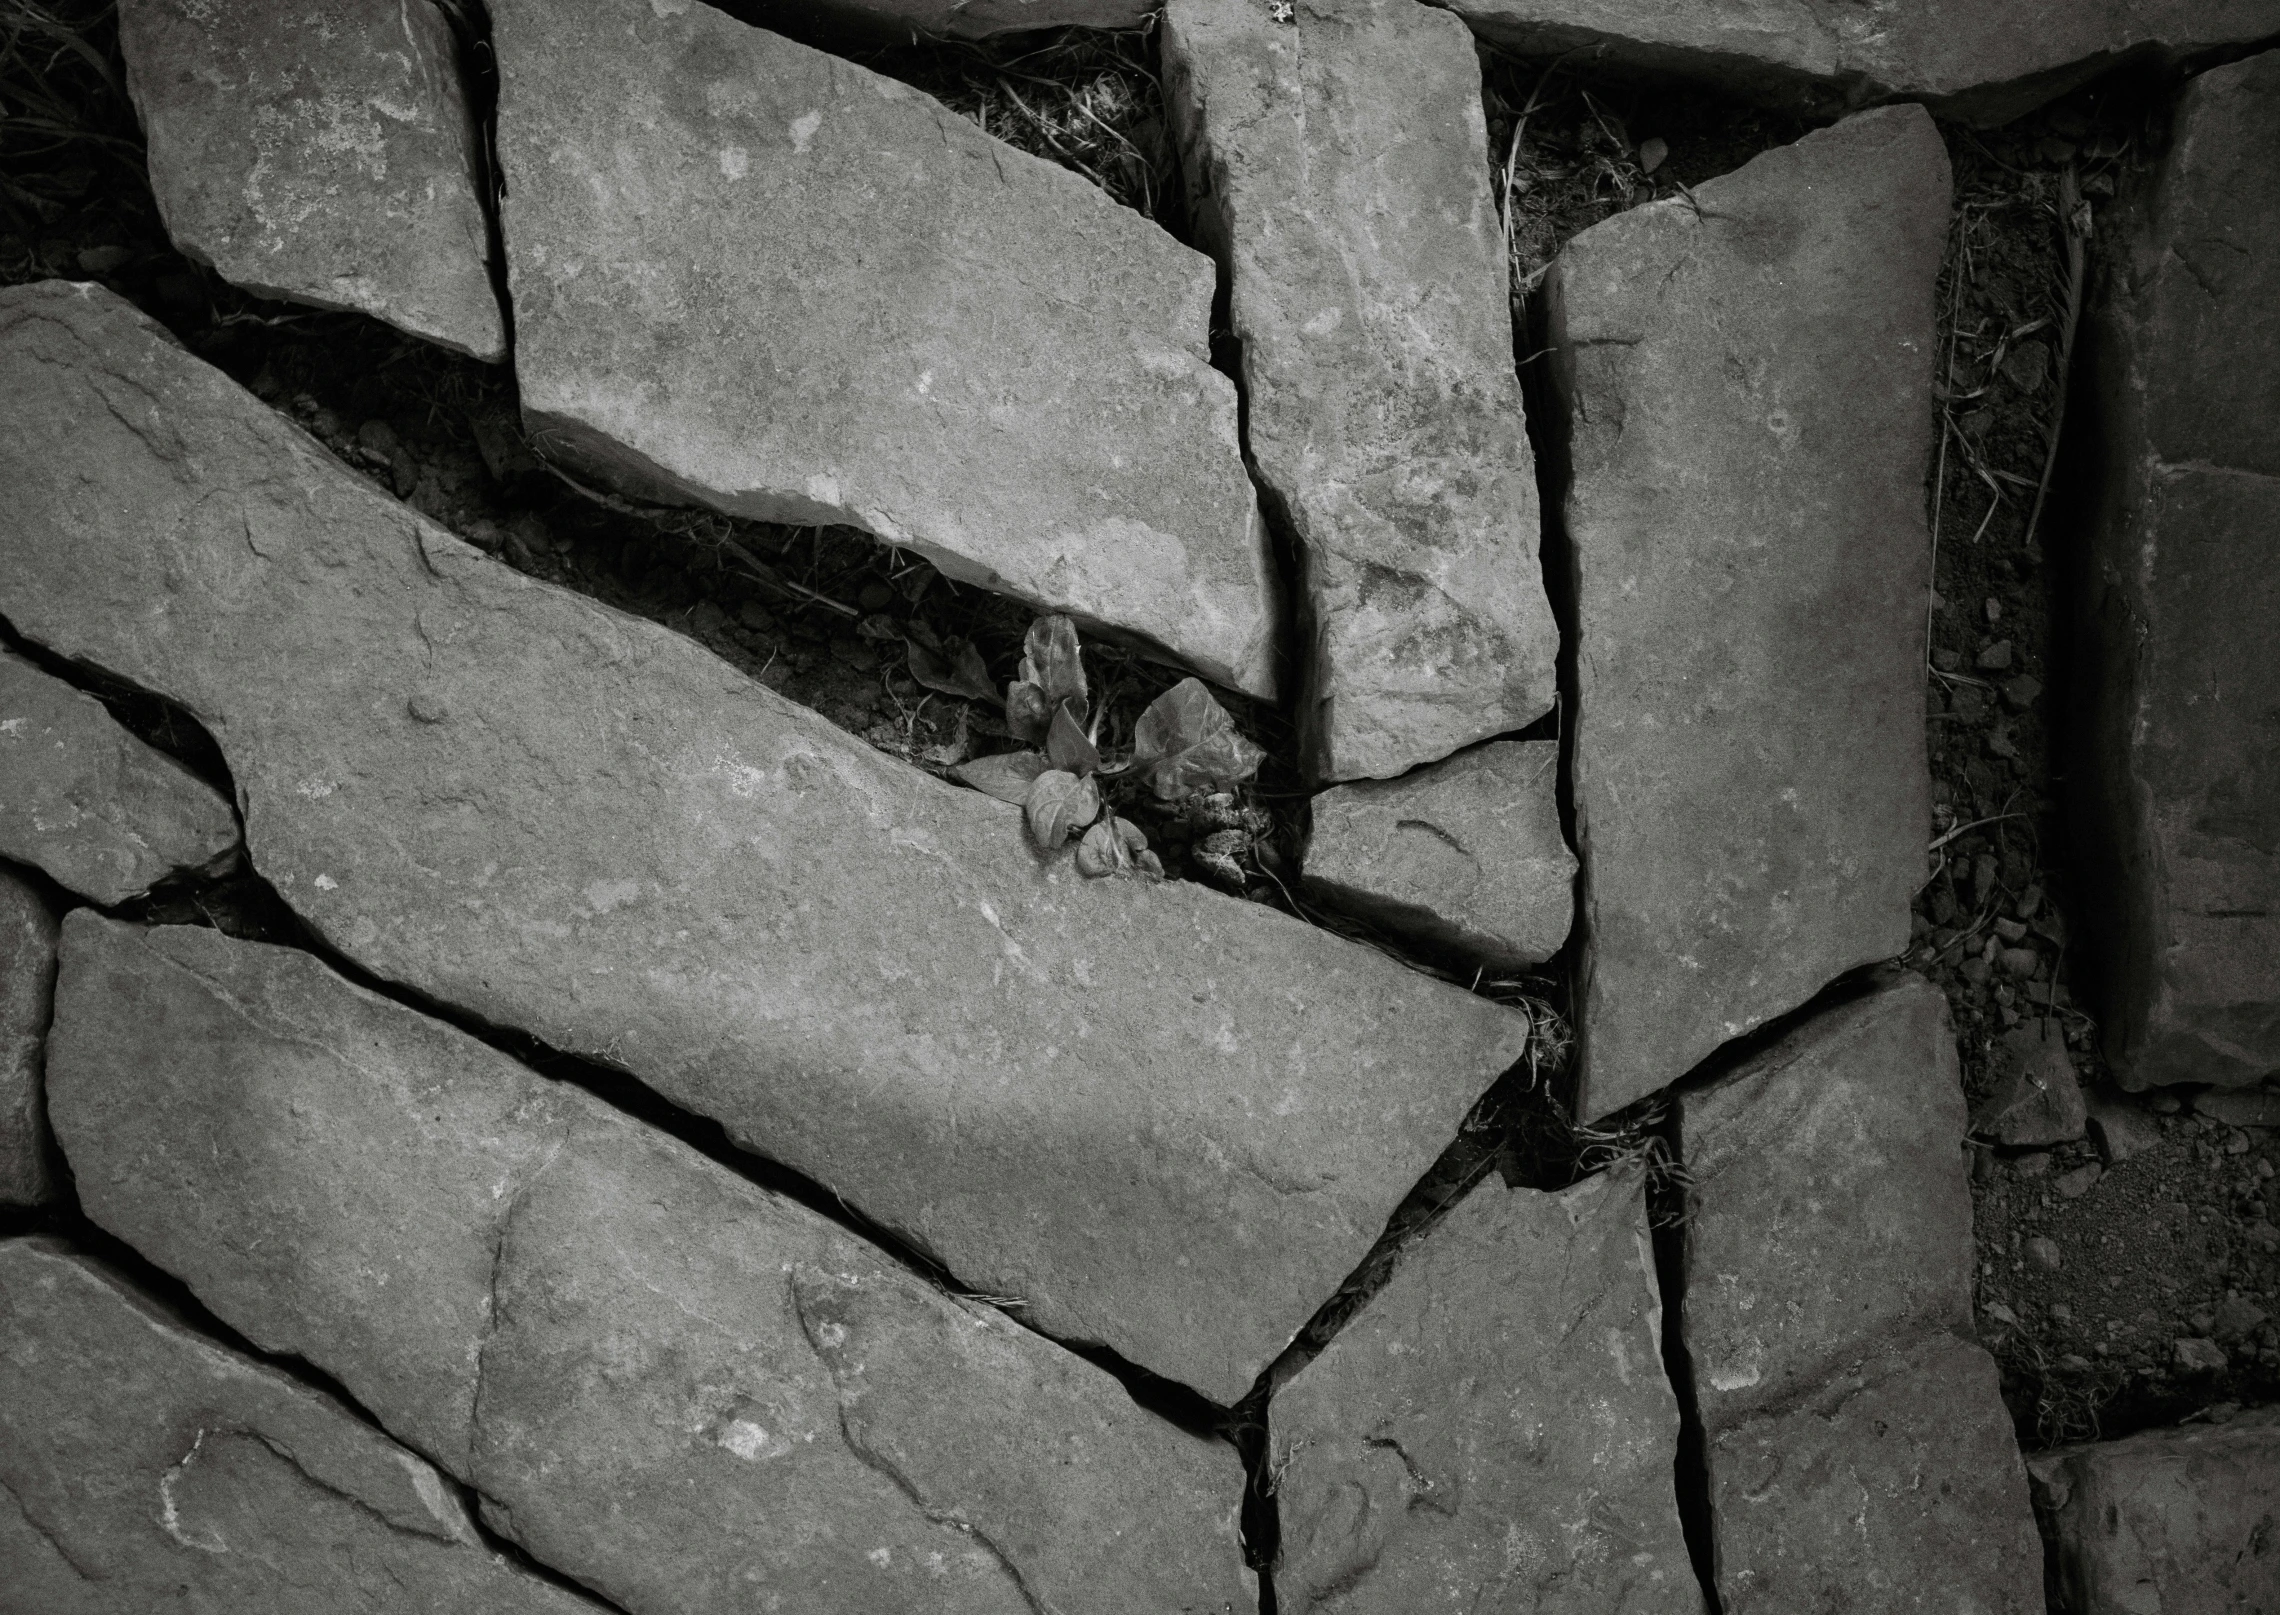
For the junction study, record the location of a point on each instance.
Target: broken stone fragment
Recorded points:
(2038, 1099)
(90, 805)
(681, 1389)
(1746, 373)
(1465, 855)
(1979, 61)
(27, 997)
(755, 276)
(2181, 595)
(2120, 1126)
(1493, 1429)
(320, 150)
(564, 820)
(1336, 161)
(143, 1466)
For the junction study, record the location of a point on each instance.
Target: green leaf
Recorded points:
(1068, 746)
(1185, 742)
(1059, 805)
(1006, 776)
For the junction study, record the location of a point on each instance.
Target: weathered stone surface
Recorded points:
(2038, 1098)
(2183, 597)
(897, 22)
(1466, 854)
(27, 997)
(89, 804)
(585, 826)
(1981, 61)
(1747, 378)
(1337, 160)
(2120, 1126)
(2252, 1107)
(143, 1467)
(683, 1390)
(1494, 1429)
(2168, 1522)
(756, 276)
(1896, 1488)
(320, 150)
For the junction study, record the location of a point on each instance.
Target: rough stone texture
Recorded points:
(2169, 1522)
(895, 22)
(2184, 593)
(1494, 1429)
(1981, 61)
(144, 1467)
(1860, 1455)
(89, 804)
(1466, 854)
(2120, 1126)
(1747, 378)
(2038, 1098)
(572, 822)
(756, 276)
(2252, 1107)
(320, 150)
(1338, 164)
(681, 1389)
(27, 997)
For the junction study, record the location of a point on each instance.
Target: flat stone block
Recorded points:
(27, 998)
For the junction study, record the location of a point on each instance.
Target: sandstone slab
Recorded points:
(1336, 162)
(91, 806)
(2167, 1522)
(323, 151)
(568, 821)
(1493, 1430)
(27, 999)
(1466, 855)
(2182, 599)
(143, 1466)
(1747, 380)
(687, 1392)
(1980, 61)
(2038, 1098)
(752, 275)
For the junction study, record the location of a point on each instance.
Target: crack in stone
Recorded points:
(46, 1535)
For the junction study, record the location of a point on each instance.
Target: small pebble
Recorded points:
(2077, 1183)
(1947, 661)
(2020, 962)
(2043, 1252)
(2022, 692)
(2011, 930)
(1994, 609)
(2061, 1312)
(2029, 901)
(876, 597)
(1995, 657)
(2032, 1166)
(2196, 1356)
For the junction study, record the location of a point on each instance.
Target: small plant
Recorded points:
(1186, 751)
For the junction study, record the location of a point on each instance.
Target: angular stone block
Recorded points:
(1980, 61)
(683, 1390)
(1747, 378)
(27, 998)
(1338, 164)
(568, 821)
(752, 275)
(2175, 1522)
(143, 1467)
(323, 151)
(1493, 1430)
(2038, 1098)
(1466, 855)
(2185, 745)
(91, 806)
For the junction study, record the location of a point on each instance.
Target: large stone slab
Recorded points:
(143, 1466)
(1981, 61)
(2171, 1522)
(27, 999)
(899, 22)
(565, 820)
(687, 1392)
(1747, 378)
(91, 806)
(1337, 161)
(752, 275)
(320, 150)
(2182, 597)
(1494, 1429)
(1465, 855)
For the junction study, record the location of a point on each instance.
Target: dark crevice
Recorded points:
(161, 724)
(479, 77)
(1690, 1471)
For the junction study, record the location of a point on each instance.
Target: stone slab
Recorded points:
(846, 23)
(144, 1466)
(1336, 162)
(2167, 1522)
(1493, 1430)
(88, 804)
(27, 999)
(2182, 595)
(2037, 1100)
(1747, 377)
(322, 151)
(1465, 855)
(681, 1389)
(568, 821)
(752, 275)
(1979, 61)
